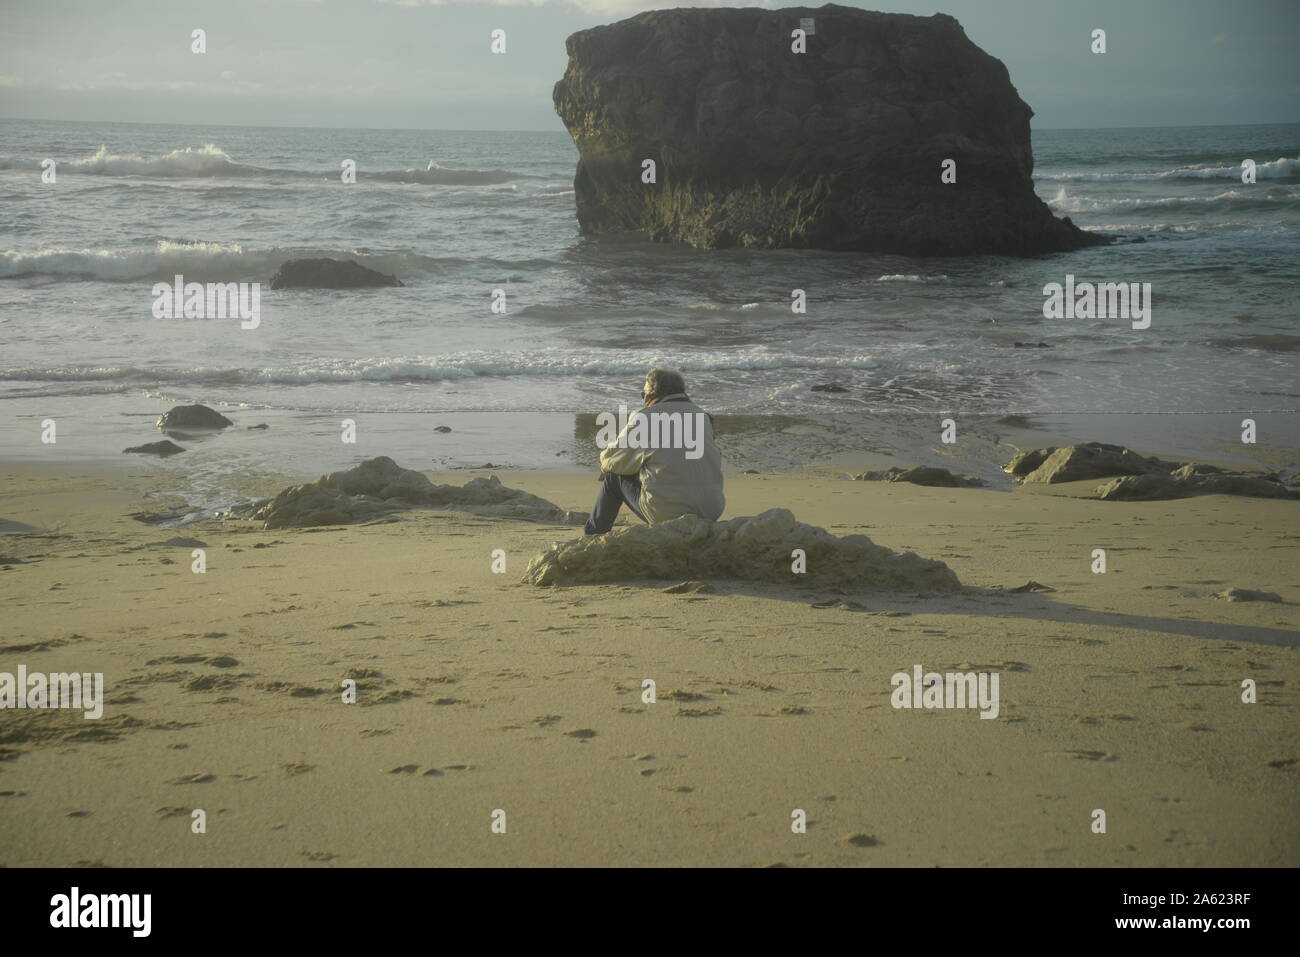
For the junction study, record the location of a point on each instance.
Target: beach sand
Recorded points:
(476, 693)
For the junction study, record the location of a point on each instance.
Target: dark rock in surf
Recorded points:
(192, 417)
(839, 147)
(328, 274)
(162, 449)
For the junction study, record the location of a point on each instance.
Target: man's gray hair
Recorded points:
(662, 382)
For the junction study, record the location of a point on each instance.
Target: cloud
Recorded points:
(120, 82)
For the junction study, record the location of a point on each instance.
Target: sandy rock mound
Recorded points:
(305, 506)
(752, 548)
(378, 486)
(1141, 477)
(1087, 461)
(1187, 481)
(380, 478)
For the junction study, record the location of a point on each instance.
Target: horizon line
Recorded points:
(442, 129)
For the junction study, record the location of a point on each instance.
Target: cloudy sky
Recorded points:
(426, 64)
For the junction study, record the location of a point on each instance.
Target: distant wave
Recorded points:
(1282, 168)
(459, 365)
(202, 161)
(912, 277)
(1245, 198)
(211, 161)
(435, 175)
(1266, 342)
(201, 262)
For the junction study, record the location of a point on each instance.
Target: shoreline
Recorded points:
(242, 462)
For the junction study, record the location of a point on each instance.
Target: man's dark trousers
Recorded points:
(615, 492)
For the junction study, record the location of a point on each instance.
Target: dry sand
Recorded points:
(1119, 691)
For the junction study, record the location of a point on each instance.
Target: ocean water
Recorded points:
(456, 215)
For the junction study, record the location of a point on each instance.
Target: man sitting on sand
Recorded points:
(664, 463)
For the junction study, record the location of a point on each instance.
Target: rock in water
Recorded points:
(753, 548)
(328, 274)
(839, 147)
(164, 448)
(192, 417)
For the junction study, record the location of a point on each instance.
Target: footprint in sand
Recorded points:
(581, 733)
(210, 683)
(1091, 755)
(197, 778)
(684, 696)
(429, 772)
(289, 688)
(861, 840)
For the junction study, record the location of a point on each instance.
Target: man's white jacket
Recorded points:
(672, 483)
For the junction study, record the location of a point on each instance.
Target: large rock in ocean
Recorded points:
(839, 147)
(328, 274)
